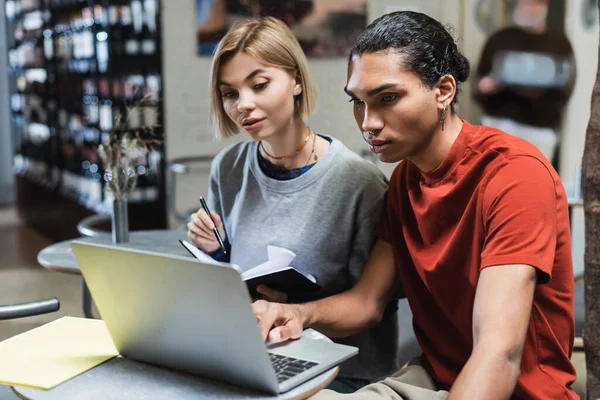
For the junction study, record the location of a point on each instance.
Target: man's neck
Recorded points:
(439, 146)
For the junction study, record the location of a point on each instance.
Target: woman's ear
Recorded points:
(297, 85)
(446, 90)
(297, 89)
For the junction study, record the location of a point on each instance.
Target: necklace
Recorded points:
(298, 150)
(312, 151)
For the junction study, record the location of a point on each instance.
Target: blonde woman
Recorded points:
(289, 186)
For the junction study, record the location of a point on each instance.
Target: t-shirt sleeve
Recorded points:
(389, 228)
(382, 228)
(520, 216)
(214, 193)
(364, 239)
(389, 221)
(368, 211)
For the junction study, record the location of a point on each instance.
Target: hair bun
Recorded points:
(463, 67)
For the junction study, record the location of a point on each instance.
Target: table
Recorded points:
(121, 378)
(59, 256)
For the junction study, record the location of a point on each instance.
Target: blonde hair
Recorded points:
(270, 41)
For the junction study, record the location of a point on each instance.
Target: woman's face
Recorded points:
(396, 112)
(258, 97)
(530, 13)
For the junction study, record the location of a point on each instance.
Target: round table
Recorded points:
(121, 378)
(59, 256)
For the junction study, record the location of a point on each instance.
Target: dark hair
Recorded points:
(429, 49)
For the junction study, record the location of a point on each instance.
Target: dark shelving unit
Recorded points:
(74, 66)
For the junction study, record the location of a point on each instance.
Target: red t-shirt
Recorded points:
(494, 200)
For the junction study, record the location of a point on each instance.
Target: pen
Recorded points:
(215, 230)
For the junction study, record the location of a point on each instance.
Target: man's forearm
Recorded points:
(362, 306)
(342, 315)
(487, 376)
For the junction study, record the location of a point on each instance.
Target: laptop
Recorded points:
(196, 317)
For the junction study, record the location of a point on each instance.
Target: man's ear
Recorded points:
(445, 91)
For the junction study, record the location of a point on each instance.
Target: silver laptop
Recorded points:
(180, 313)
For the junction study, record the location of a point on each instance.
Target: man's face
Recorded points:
(395, 111)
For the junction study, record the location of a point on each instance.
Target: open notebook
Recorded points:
(276, 273)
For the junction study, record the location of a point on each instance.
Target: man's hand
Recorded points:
(279, 322)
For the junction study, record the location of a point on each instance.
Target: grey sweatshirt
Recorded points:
(326, 216)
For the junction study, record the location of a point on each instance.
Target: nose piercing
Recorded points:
(367, 135)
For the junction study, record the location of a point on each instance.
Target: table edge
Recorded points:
(332, 371)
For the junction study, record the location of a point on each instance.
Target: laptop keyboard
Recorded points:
(288, 367)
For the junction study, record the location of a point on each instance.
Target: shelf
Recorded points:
(57, 216)
(22, 13)
(59, 99)
(23, 68)
(72, 7)
(135, 64)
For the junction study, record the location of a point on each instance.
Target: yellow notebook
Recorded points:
(54, 353)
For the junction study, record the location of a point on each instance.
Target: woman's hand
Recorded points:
(200, 230)
(488, 85)
(271, 295)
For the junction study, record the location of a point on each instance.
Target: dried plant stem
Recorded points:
(124, 146)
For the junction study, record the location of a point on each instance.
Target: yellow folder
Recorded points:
(54, 353)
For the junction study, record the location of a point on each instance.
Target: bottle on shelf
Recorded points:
(150, 109)
(91, 101)
(132, 45)
(102, 51)
(106, 106)
(48, 44)
(115, 30)
(100, 16)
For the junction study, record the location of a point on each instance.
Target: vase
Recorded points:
(120, 222)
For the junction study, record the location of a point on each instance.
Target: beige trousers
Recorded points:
(409, 383)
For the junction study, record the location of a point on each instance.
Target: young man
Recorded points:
(476, 228)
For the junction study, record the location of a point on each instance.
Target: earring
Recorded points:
(443, 117)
